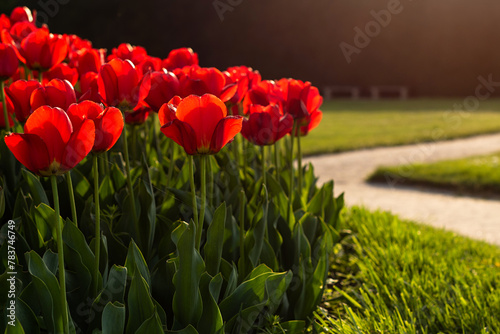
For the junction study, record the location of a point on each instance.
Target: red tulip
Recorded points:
(308, 123)
(118, 83)
(43, 50)
(63, 72)
(157, 88)
(19, 92)
(180, 58)
(22, 14)
(125, 51)
(149, 64)
(199, 124)
(49, 145)
(9, 62)
(4, 22)
(57, 93)
(302, 101)
(108, 123)
(89, 89)
(88, 60)
(266, 125)
(264, 93)
(242, 75)
(197, 80)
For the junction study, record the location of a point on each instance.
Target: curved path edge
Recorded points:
(474, 217)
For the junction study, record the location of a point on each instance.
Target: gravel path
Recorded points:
(474, 217)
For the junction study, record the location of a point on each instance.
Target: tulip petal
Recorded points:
(79, 146)
(225, 131)
(53, 126)
(128, 79)
(30, 150)
(181, 133)
(107, 83)
(108, 128)
(202, 114)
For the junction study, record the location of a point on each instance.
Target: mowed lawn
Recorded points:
(479, 175)
(351, 125)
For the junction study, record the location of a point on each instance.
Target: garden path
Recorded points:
(475, 217)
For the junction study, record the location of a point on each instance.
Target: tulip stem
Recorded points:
(245, 159)
(292, 172)
(242, 232)
(263, 152)
(203, 170)
(97, 225)
(193, 190)
(60, 252)
(171, 165)
(40, 76)
(72, 198)
(299, 161)
(276, 161)
(156, 140)
(134, 143)
(5, 112)
(210, 181)
(129, 179)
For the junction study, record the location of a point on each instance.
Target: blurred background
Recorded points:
(434, 48)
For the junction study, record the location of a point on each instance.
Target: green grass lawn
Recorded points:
(400, 277)
(350, 125)
(478, 175)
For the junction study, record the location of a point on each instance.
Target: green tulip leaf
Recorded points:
(215, 241)
(113, 318)
(187, 302)
(36, 189)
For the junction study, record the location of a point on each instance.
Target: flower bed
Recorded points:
(162, 217)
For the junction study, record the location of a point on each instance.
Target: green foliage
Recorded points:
(256, 263)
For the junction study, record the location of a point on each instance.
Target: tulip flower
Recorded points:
(158, 88)
(88, 60)
(149, 64)
(302, 101)
(56, 93)
(264, 93)
(199, 124)
(62, 71)
(4, 22)
(22, 14)
(9, 62)
(266, 125)
(245, 77)
(125, 51)
(108, 123)
(8, 67)
(118, 83)
(180, 58)
(195, 80)
(108, 128)
(42, 50)
(49, 146)
(19, 92)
